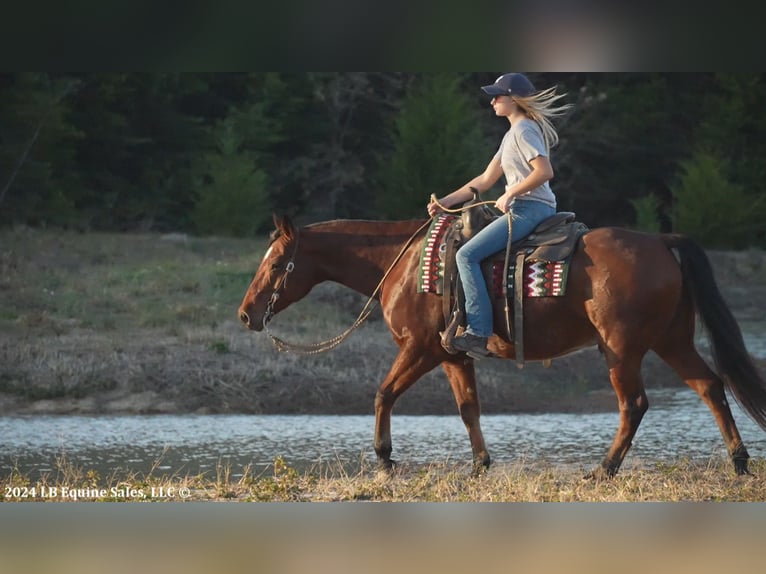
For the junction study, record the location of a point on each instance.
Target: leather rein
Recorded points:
(315, 348)
(323, 346)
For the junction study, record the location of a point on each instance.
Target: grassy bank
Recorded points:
(713, 480)
(144, 323)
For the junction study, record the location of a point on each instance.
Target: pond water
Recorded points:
(678, 425)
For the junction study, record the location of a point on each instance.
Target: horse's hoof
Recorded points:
(740, 467)
(387, 467)
(480, 467)
(600, 473)
(592, 475)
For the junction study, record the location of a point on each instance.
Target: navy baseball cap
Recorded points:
(513, 84)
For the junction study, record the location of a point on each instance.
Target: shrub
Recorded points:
(712, 209)
(647, 213)
(232, 192)
(438, 145)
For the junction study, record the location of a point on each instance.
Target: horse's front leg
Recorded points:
(462, 378)
(411, 363)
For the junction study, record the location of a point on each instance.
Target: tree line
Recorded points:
(217, 153)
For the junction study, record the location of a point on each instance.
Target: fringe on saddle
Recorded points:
(535, 266)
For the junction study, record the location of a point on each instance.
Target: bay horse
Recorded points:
(627, 293)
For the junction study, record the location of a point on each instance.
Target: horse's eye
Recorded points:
(275, 266)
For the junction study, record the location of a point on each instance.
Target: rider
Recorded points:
(524, 158)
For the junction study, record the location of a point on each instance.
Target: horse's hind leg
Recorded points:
(686, 361)
(625, 376)
(462, 378)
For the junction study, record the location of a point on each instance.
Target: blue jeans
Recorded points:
(527, 214)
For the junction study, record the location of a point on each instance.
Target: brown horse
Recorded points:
(626, 293)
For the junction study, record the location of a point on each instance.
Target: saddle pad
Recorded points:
(541, 278)
(431, 272)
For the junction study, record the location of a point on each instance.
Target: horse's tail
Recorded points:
(732, 361)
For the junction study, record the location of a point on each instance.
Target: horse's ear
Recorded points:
(284, 225)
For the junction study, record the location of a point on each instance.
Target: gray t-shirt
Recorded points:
(521, 144)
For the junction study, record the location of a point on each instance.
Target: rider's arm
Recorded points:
(482, 182)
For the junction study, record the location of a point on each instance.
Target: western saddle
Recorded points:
(554, 239)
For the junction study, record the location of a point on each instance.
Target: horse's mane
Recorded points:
(398, 230)
(353, 225)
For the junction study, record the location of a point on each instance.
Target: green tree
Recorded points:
(37, 159)
(623, 141)
(232, 193)
(335, 162)
(711, 208)
(647, 213)
(733, 128)
(122, 151)
(276, 123)
(138, 148)
(438, 143)
(317, 135)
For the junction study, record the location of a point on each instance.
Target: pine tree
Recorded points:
(437, 145)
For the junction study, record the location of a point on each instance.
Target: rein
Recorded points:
(323, 346)
(459, 209)
(315, 348)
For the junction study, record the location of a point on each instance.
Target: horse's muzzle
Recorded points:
(248, 322)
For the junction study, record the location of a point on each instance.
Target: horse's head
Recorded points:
(279, 281)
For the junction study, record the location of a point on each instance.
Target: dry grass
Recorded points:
(88, 321)
(108, 323)
(713, 480)
(142, 323)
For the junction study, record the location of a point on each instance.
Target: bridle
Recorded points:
(268, 314)
(316, 348)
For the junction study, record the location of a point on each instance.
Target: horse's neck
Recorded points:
(356, 254)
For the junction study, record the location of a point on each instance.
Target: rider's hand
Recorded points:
(433, 207)
(503, 202)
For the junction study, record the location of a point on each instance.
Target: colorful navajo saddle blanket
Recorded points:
(432, 255)
(542, 278)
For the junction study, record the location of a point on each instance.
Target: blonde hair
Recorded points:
(542, 108)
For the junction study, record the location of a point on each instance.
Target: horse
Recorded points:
(628, 292)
